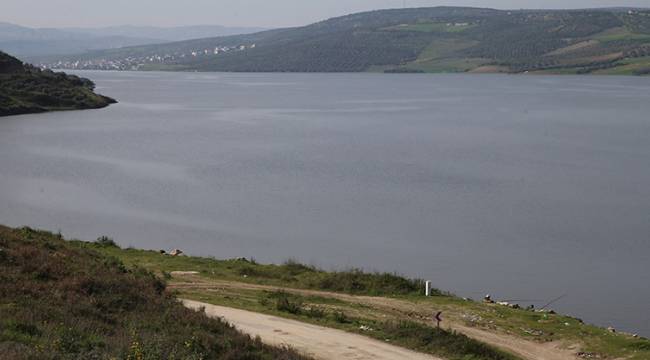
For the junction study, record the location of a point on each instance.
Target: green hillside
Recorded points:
(440, 39)
(27, 89)
(59, 301)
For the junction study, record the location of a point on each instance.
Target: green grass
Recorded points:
(59, 301)
(291, 273)
(444, 48)
(635, 66)
(442, 56)
(620, 34)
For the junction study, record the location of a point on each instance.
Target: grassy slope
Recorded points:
(442, 39)
(58, 301)
(534, 326)
(25, 89)
(291, 273)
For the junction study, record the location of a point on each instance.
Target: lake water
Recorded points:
(524, 187)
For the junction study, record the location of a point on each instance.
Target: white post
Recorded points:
(427, 288)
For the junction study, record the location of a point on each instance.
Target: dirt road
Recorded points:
(528, 350)
(316, 341)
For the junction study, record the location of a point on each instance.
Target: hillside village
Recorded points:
(140, 62)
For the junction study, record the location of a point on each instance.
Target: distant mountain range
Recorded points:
(179, 33)
(31, 43)
(440, 39)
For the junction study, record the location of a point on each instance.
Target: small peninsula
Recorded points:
(26, 89)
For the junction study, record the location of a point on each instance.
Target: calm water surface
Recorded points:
(526, 188)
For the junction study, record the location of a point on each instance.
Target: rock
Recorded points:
(611, 329)
(163, 252)
(488, 299)
(533, 332)
(588, 355)
(184, 273)
(176, 252)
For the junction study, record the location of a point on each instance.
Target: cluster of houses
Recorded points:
(138, 62)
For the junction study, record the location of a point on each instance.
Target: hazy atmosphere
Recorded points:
(277, 13)
(324, 180)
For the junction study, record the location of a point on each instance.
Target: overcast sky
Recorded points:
(265, 13)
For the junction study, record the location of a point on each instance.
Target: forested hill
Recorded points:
(27, 89)
(440, 39)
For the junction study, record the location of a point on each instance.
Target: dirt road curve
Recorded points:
(528, 350)
(319, 342)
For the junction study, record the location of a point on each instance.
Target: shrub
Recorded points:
(356, 281)
(341, 318)
(105, 241)
(287, 303)
(315, 312)
(293, 267)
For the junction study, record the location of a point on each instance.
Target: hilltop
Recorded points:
(26, 89)
(440, 39)
(59, 301)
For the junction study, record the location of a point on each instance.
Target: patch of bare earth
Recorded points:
(574, 47)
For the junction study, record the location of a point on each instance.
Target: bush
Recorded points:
(341, 318)
(356, 281)
(315, 312)
(293, 267)
(288, 303)
(105, 241)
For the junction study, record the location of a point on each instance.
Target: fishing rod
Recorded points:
(554, 301)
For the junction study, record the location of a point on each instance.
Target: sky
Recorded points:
(258, 13)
